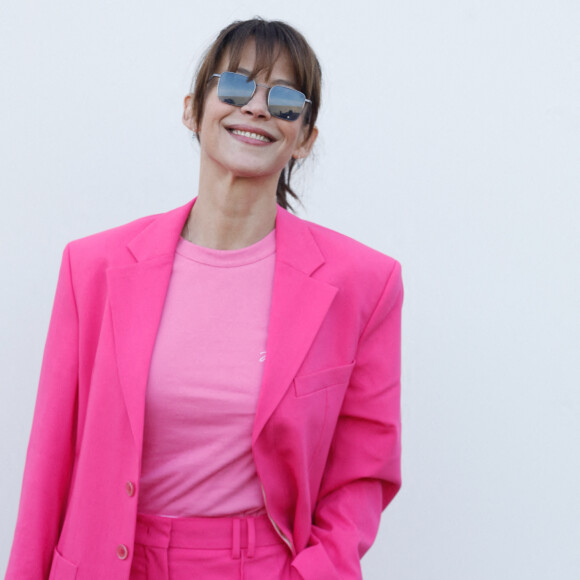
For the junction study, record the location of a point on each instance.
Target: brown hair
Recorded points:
(271, 37)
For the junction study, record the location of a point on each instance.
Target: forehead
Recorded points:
(268, 62)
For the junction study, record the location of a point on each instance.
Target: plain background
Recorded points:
(450, 139)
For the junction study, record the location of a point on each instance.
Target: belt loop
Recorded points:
(170, 531)
(236, 539)
(251, 536)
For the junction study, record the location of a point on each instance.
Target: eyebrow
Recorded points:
(272, 82)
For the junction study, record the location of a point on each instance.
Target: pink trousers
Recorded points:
(209, 549)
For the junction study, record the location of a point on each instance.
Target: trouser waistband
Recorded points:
(206, 533)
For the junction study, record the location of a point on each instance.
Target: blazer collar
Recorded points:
(159, 239)
(295, 244)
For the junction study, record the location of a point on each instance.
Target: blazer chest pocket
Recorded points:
(323, 379)
(61, 568)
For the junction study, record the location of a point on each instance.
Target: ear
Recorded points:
(189, 113)
(304, 147)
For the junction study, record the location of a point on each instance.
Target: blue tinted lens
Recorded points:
(235, 89)
(285, 103)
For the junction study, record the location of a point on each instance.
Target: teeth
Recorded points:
(251, 135)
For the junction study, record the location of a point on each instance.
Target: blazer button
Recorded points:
(130, 488)
(122, 552)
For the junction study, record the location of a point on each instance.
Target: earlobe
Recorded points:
(189, 113)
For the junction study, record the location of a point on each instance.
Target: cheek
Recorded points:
(293, 138)
(302, 134)
(213, 111)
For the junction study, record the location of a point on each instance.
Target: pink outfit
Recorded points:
(326, 434)
(204, 383)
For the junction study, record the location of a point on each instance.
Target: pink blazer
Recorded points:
(326, 437)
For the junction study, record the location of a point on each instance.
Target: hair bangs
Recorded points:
(269, 44)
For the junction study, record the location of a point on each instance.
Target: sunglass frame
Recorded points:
(255, 87)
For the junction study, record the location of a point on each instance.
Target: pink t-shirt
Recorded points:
(204, 383)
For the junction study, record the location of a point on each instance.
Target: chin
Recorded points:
(249, 170)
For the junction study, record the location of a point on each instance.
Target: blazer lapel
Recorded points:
(299, 305)
(137, 295)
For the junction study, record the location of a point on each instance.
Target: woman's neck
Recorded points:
(232, 213)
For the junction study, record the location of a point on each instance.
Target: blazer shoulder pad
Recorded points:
(355, 256)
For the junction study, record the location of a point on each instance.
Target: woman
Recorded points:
(219, 396)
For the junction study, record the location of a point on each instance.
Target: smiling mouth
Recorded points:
(250, 135)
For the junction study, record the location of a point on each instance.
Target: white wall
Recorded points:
(450, 138)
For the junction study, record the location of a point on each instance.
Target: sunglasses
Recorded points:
(283, 102)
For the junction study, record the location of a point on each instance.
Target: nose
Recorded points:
(257, 106)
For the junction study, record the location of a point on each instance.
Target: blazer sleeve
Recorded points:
(362, 474)
(50, 455)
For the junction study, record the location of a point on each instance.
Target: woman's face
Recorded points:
(227, 143)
